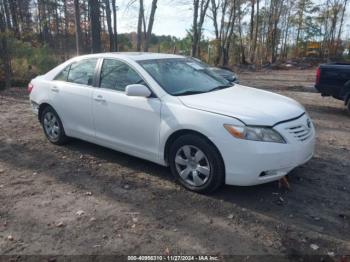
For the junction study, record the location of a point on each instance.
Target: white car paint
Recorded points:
(250, 105)
(141, 126)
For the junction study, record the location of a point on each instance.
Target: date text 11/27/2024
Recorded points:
(173, 258)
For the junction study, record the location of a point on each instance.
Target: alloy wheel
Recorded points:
(192, 165)
(51, 126)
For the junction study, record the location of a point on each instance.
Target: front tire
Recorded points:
(196, 164)
(53, 127)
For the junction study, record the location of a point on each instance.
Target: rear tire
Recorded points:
(53, 127)
(196, 164)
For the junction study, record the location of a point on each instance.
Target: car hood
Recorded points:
(250, 105)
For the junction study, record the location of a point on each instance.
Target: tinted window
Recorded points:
(63, 75)
(82, 72)
(117, 75)
(183, 76)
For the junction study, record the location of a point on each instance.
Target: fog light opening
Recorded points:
(273, 173)
(262, 174)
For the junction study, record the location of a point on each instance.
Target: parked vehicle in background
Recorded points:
(334, 80)
(313, 49)
(226, 73)
(169, 110)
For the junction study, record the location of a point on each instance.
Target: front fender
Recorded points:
(177, 117)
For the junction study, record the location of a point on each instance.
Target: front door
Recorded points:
(127, 124)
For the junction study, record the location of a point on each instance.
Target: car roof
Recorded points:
(136, 56)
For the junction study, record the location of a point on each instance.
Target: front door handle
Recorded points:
(99, 98)
(55, 89)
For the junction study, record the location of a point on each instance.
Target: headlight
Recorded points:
(264, 134)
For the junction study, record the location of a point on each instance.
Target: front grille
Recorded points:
(300, 132)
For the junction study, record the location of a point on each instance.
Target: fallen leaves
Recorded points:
(10, 238)
(60, 224)
(314, 247)
(283, 183)
(80, 213)
(167, 251)
(316, 218)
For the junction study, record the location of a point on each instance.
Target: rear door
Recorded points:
(128, 124)
(71, 96)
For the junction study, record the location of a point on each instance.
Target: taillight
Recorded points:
(318, 76)
(30, 87)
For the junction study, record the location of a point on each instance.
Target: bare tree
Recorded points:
(109, 25)
(199, 12)
(251, 34)
(195, 28)
(114, 9)
(77, 26)
(95, 26)
(228, 32)
(227, 10)
(4, 51)
(214, 10)
(7, 14)
(242, 47)
(341, 24)
(150, 24)
(255, 40)
(139, 25)
(14, 17)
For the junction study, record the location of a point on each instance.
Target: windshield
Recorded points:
(199, 62)
(183, 76)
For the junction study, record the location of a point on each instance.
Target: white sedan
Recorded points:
(171, 111)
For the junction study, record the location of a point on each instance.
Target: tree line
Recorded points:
(242, 31)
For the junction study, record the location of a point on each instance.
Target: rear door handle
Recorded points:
(99, 98)
(55, 89)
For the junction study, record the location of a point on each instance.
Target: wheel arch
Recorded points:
(42, 107)
(178, 133)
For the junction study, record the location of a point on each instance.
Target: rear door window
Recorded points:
(63, 75)
(82, 72)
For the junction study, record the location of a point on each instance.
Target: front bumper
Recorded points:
(251, 162)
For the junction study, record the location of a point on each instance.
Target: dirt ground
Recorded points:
(85, 199)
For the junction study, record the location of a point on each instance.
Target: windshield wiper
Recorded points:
(220, 87)
(192, 92)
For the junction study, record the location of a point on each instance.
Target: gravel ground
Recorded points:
(85, 199)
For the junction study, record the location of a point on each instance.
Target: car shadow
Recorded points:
(105, 155)
(308, 206)
(338, 111)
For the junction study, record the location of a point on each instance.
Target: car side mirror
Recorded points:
(137, 90)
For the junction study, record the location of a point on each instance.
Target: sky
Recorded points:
(173, 17)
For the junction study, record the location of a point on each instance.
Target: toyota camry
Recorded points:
(172, 111)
